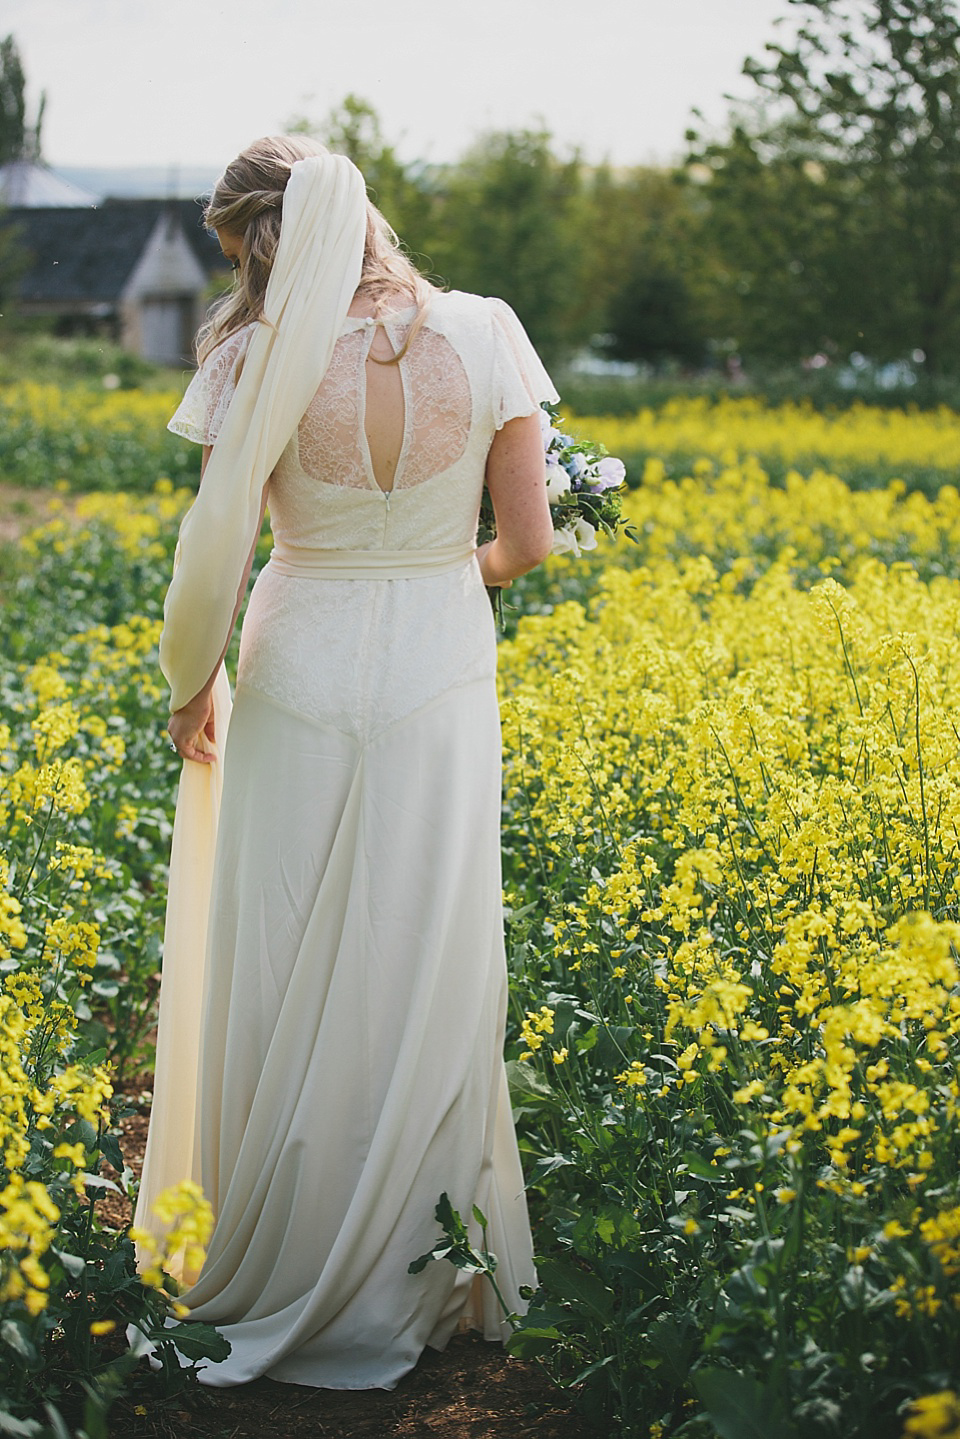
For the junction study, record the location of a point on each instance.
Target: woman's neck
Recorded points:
(368, 302)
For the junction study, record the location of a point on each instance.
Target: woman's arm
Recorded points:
(516, 479)
(194, 720)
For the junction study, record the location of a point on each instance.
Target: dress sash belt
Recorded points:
(304, 563)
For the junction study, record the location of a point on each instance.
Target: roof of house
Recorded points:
(87, 256)
(25, 182)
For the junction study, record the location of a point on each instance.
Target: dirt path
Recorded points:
(20, 510)
(470, 1391)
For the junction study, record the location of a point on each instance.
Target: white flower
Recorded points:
(547, 433)
(575, 538)
(565, 542)
(558, 483)
(611, 474)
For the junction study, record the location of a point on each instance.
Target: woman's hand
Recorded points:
(482, 559)
(191, 728)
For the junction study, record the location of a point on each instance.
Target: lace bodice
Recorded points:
(468, 370)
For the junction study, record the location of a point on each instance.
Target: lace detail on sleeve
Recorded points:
(200, 413)
(520, 381)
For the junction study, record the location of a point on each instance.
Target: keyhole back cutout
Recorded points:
(384, 417)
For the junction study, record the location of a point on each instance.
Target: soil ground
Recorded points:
(21, 509)
(473, 1390)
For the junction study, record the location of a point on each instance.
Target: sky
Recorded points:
(191, 82)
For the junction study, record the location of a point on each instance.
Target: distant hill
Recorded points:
(155, 182)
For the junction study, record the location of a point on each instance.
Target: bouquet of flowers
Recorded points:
(584, 487)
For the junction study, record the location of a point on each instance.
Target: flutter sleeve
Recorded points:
(520, 381)
(200, 413)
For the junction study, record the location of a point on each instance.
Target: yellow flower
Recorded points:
(188, 1218)
(934, 1416)
(536, 1024)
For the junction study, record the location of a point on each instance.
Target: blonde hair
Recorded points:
(247, 202)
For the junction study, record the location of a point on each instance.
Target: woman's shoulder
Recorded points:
(460, 314)
(228, 350)
(458, 303)
(483, 320)
(200, 413)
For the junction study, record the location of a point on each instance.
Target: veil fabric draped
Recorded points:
(314, 277)
(313, 280)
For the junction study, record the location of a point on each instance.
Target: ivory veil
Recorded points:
(314, 277)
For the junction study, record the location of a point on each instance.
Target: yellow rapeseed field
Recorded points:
(794, 434)
(732, 888)
(733, 871)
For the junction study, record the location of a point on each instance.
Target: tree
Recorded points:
(18, 140)
(832, 209)
(507, 224)
(637, 232)
(777, 262)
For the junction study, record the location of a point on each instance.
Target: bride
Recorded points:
(334, 982)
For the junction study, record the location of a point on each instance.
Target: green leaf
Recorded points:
(605, 1229)
(455, 1243)
(773, 1144)
(72, 1263)
(18, 1340)
(615, 1043)
(81, 1130)
(531, 1343)
(702, 1168)
(110, 1149)
(441, 1250)
(97, 1181)
(674, 1342)
(525, 1083)
(578, 1286)
(60, 1430)
(590, 1369)
(18, 1428)
(551, 1162)
(194, 1341)
(740, 1407)
(587, 1041)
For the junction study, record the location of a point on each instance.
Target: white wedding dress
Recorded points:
(350, 1065)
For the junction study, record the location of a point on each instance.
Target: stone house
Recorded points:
(139, 271)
